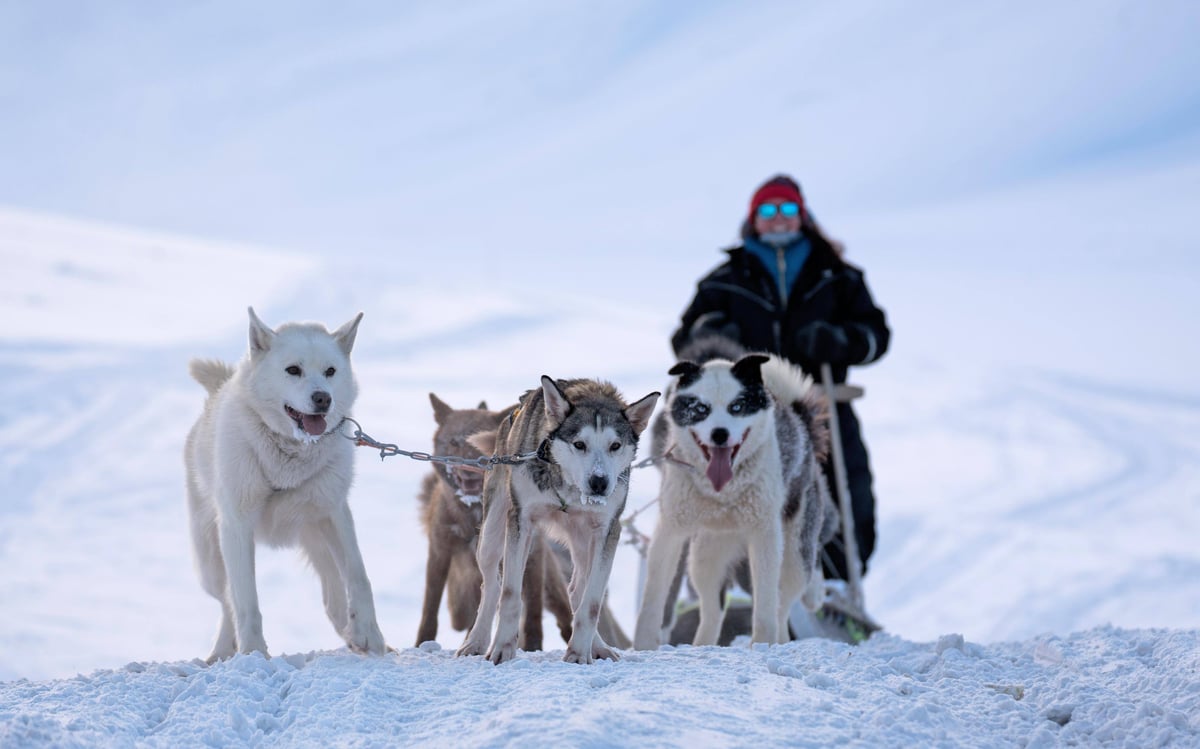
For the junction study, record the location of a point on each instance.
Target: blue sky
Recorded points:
(380, 127)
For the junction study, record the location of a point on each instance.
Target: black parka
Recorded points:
(740, 299)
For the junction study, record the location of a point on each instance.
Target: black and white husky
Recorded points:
(741, 443)
(585, 437)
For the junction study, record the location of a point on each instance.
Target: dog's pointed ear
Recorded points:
(485, 441)
(684, 367)
(261, 337)
(557, 405)
(639, 413)
(482, 406)
(440, 409)
(345, 335)
(687, 371)
(748, 369)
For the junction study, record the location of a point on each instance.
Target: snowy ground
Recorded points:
(507, 193)
(1101, 687)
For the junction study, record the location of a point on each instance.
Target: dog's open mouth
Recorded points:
(469, 482)
(720, 461)
(313, 424)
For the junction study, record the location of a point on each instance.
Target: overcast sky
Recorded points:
(522, 127)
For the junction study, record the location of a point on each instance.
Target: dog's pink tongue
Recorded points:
(720, 466)
(314, 424)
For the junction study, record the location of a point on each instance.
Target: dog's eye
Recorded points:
(578, 445)
(614, 447)
(330, 372)
(735, 407)
(293, 370)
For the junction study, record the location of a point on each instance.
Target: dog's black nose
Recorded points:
(720, 436)
(597, 484)
(321, 400)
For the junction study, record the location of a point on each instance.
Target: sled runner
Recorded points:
(844, 606)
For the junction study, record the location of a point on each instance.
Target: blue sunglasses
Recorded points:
(770, 210)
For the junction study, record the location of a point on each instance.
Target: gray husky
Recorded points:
(585, 438)
(265, 462)
(741, 444)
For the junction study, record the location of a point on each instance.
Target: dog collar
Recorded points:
(543, 454)
(543, 451)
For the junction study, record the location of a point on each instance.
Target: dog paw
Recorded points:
(373, 644)
(253, 644)
(222, 651)
(606, 653)
(813, 596)
(367, 639)
(471, 647)
(501, 653)
(597, 652)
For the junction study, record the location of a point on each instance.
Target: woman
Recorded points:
(787, 290)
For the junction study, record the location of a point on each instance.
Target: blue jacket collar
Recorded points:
(791, 259)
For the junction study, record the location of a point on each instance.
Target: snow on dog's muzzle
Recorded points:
(598, 485)
(597, 489)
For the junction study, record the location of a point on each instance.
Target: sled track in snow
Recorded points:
(1070, 449)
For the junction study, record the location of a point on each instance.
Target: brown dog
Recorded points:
(451, 513)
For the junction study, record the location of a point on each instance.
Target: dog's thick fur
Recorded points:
(585, 437)
(741, 444)
(266, 462)
(451, 512)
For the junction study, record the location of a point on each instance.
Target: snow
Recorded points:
(1103, 686)
(1035, 430)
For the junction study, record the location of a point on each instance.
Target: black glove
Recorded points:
(821, 342)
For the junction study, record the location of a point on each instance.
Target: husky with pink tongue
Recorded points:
(266, 463)
(740, 445)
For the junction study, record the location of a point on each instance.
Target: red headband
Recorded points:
(775, 190)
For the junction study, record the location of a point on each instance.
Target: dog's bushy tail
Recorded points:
(210, 373)
(787, 383)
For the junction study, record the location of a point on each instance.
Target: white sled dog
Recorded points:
(585, 437)
(266, 462)
(741, 445)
